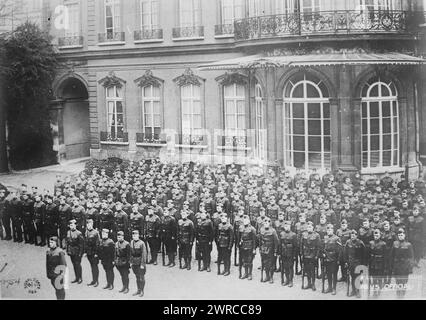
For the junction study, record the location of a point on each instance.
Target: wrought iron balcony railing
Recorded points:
(239, 140)
(188, 32)
(224, 29)
(325, 22)
(191, 139)
(148, 34)
(112, 37)
(114, 137)
(156, 138)
(72, 41)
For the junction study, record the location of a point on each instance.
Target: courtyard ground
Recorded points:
(24, 275)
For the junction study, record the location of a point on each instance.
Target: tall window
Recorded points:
(112, 18)
(114, 100)
(151, 112)
(307, 139)
(285, 6)
(380, 125)
(260, 123)
(256, 8)
(235, 114)
(379, 5)
(191, 109)
(73, 28)
(231, 10)
(149, 14)
(310, 6)
(189, 13)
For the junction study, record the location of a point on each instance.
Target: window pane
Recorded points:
(386, 109)
(374, 126)
(395, 141)
(230, 107)
(326, 110)
(240, 91)
(196, 90)
(298, 91)
(395, 109)
(197, 122)
(299, 143)
(110, 107)
(364, 126)
(386, 125)
(110, 92)
(299, 159)
(156, 92)
(148, 120)
(315, 160)
(298, 110)
(241, 107)
(395, 158)
(387, 142)
(365, 159)
(327, 144)
(387, 158)
(119, 107)
(197, 107)
(185, 91)
(374, 109)
(364, 110)
(314, 110)
(364, 143)
(314, 144)
(385, 91)
(299, 127)
(374, 91)
(147, 92)
(312, 91)
(326, 127)
(229, 91)
(375, 142)
(375, 158)
(147, 108)
(157, 121)
(395, 125)
(314, 127)
(230, 122)
(241, 122)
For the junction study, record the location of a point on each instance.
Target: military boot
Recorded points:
(218, 269)
(271, 278)
(250, 271)
(227, 268)
(188, 267)
(199, 265)
(245, 276)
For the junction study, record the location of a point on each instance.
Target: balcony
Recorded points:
(112, 38)
(191, 141)
(70, 42)
(188, 33)
(148, 35)
(326, 23)
(113, 138)
(224, 30)
(149, 139)
(235, 142)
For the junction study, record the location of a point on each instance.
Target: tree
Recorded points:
(32, 62)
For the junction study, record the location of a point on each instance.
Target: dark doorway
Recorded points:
(76, 121)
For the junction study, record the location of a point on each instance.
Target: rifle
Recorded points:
(348, 280)
(323, 274)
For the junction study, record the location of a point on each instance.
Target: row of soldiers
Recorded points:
(172, 206)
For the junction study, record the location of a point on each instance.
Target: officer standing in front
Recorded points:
(75, 249)
(55, 267)
(138, 255)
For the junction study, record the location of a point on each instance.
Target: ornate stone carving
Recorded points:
(231, 78)
(187, 78)
(112, 80)
(148, 79)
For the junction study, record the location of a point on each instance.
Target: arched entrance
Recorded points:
(74, 124)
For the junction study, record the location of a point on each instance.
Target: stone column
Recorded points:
(271, 115)
(57, 123)
(357, 134)
(335, 132)
(403, 131)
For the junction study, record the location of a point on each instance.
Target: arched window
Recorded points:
(151, 110)
(380, 124)
(260, 123)
(307, 139)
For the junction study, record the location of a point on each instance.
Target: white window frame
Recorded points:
(260, 135)
(316, 6)
(196, 14)
(154, 9)
(118, 97)
(116, 17)
(394, 131)
(285, 6)
(236, 7)
(237, 129)
(378, 5)
(288, 103)
(151, 101)
(192, 130)
(73, 29)
(256, 8)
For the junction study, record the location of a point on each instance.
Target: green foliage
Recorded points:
(31, 64)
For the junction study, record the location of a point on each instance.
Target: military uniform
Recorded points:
(268, 248)
(310, 245)
(168, 234)
(136, 222)
(51, 221)
(122, 261)
(106, 220)
(376, 257)
(152, 235)
(55, 270)
(354, 256)
(332, 252)
(204, 235)
(107, 257)
(225, 241)
(28, 221)
(64, 216)
(185, 242)
(138, 256)
(78, 213)
(15, 209)
(247, 247)
(402, 256)
(92, 244)
(75, 249)
(39, 220)
(5, 217)
(288, 254)
(416, 236)
(121, 223)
